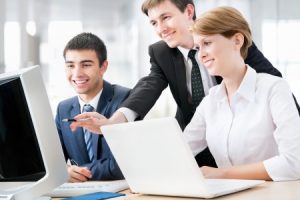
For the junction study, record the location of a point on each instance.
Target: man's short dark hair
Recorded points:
(180, 4)
(87, 41)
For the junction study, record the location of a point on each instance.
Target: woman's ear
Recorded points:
(238, 40)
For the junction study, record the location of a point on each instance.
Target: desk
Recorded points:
(269, 190)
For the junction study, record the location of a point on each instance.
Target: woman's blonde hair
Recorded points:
(226, 21)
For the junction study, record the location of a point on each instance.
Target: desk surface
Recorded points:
(269, 190)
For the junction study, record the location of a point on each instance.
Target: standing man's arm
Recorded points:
(259, 62)
(146, 92)
(141, 99)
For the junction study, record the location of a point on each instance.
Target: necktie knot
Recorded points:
(87, 108)
(191, 56)
(192, 53)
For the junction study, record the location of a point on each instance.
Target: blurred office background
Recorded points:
(35, 32)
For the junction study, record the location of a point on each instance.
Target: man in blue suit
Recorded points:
(89, 155)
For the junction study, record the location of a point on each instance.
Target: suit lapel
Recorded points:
(102, 106)
(180, 73)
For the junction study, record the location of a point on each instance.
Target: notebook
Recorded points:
(97, 196)
(155, 159)
(76, 189)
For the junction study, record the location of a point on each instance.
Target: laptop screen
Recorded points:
(20, 155)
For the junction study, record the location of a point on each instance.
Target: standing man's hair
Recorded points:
(180, 4)
(87, 41)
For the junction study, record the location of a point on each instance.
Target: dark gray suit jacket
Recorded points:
(73, 143)
(168, 69)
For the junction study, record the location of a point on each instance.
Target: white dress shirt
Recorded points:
(207, 80)
(261, 123)
(93, 102)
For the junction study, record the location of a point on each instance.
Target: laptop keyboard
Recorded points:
(75, 189)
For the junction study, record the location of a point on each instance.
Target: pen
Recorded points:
(68, 120)
(73, 162)
(74, 120)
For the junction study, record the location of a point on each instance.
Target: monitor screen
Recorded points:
(20, 155)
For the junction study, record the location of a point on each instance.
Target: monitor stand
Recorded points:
(11, 198)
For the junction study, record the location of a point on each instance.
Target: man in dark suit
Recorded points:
(89, 155)
(171, 66)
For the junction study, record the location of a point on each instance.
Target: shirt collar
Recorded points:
(93, 102)
(246, 88)
(184, 52)
(221, 92)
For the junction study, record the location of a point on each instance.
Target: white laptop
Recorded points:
(76, 189)
(155, 159)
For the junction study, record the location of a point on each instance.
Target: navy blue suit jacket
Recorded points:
(73, 143)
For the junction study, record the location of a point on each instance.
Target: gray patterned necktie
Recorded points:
(88, 134)
(196, 81)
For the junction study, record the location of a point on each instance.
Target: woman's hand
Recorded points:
(211, 172)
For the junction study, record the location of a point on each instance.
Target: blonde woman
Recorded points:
(249, 122)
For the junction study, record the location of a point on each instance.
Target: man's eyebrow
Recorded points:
(160, 16)
(85, 61)
(152, 21)
(82, 61)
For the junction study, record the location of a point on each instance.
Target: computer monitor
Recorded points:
(30, 149)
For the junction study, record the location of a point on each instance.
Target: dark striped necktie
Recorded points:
(196, 81)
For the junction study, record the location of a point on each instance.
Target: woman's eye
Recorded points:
(207, 43)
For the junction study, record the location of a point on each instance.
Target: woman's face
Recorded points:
(217, 53)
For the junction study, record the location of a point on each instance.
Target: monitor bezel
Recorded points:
(46, 133)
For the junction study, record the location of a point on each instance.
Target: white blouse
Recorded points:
(260, 124)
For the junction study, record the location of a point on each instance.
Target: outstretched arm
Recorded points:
(93, 121)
